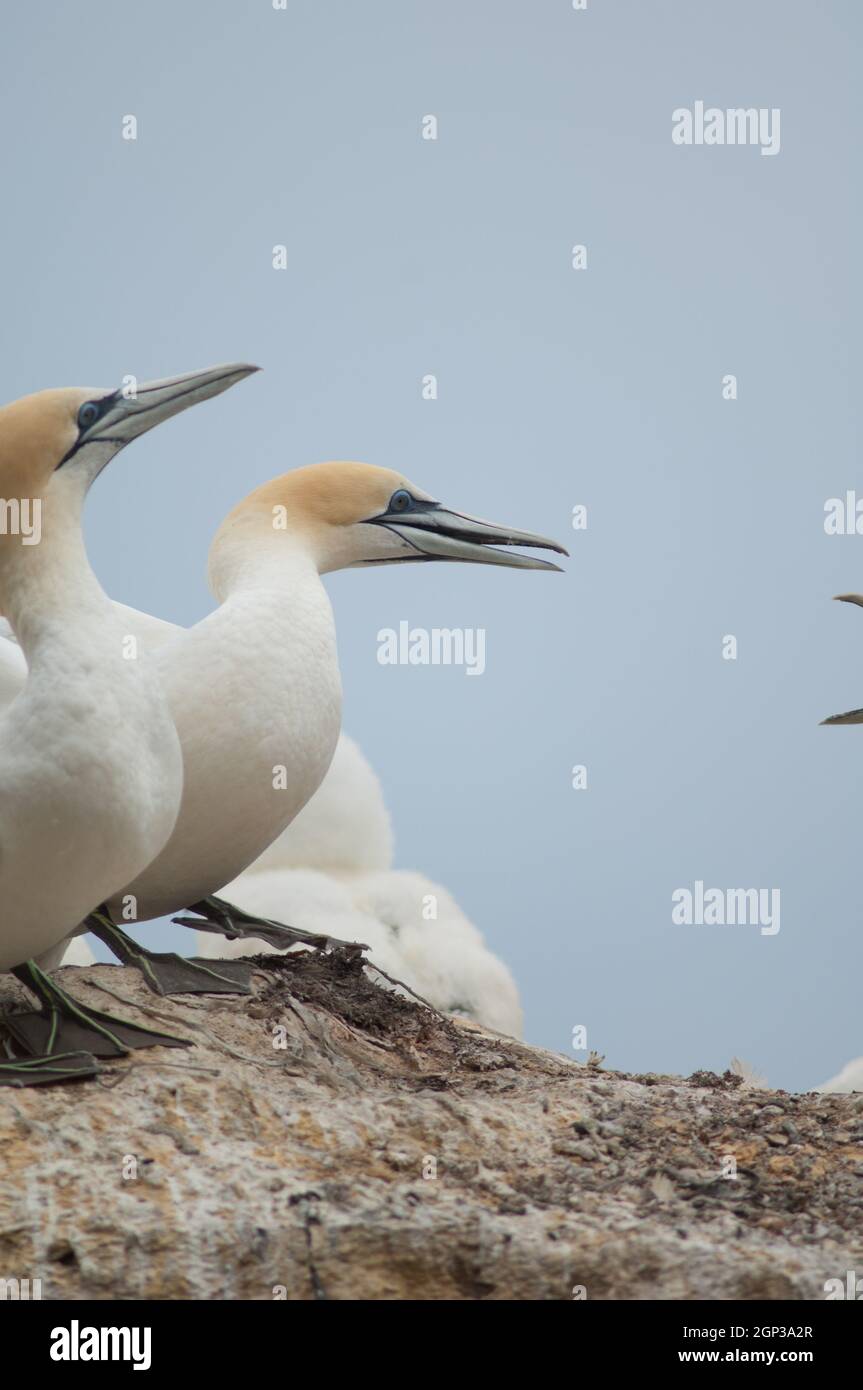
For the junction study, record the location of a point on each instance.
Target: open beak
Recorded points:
(155, 401)
(439, 534)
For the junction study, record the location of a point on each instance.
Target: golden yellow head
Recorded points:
(355, 514)
(75, 431)
(36, 434)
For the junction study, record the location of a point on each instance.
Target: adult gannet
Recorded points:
(852, 716)
(254, 688)
(90, 761)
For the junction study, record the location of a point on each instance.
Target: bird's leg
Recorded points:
(63, 1026)
(165, 972)
(217, 915)
(45, 1070)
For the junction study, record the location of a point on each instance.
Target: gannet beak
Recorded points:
(853, 716)
(439, 534)
(155, 401)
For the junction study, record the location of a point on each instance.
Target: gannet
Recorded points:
(90, 762)
(852, 716)
(331, 872)
(254, 688)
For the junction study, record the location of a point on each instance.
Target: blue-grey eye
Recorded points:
(400, 500)
(88, 415)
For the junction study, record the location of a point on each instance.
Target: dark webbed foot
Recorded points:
(167, 973)
(63, 1025)
(47, 1070)
(217, 915)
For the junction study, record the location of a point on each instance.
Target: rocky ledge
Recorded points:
(328, 1138)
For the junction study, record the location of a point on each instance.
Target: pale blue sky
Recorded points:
(557, 387)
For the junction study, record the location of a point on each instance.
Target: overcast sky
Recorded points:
(600, 386)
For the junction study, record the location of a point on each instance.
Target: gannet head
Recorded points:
(77, 431)
(356, 514)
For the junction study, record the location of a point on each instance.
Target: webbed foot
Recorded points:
(64, 1025)
(167, 973)
(224, 918)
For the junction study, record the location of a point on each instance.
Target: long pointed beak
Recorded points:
(156, 401)
(439, 534)
(853, 716)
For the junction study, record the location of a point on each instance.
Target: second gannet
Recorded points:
(90, 761)
(254, 688)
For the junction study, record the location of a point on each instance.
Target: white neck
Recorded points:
(264, 560)
(48, 587)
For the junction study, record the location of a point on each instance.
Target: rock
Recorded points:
(330, 1139)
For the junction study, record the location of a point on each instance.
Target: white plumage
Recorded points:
(254, 688)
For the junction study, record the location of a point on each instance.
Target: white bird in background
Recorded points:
(850, 1078)
(330, 872)
(851, 716)
(255, 692)
(91, 763)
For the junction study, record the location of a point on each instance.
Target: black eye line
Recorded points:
(102, 403)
